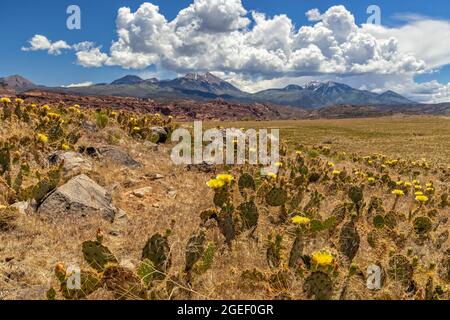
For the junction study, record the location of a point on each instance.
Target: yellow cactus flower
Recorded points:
(65, 147)
(430, 190)
(322, 258)
(399, 183)
(278, 164)
(272, 175)
(371, 179)
(331, 164)
(298, 152)
(408, 184)
(19, 101)
(429, 185)
(42, 138)
(299, 220)
(419, 193)
(336, 172)
(398, 192)
(46, 107)
(215, 183)
(5, 100)
(225, 177)
(422, 199)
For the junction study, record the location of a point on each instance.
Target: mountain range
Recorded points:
(206, 86)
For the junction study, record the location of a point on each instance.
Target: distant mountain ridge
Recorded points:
(206, 86)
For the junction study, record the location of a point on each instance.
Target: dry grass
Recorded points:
(29, 253)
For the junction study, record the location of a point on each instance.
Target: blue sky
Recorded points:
(22, 19)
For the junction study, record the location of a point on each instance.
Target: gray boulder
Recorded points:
(158, 134)
(74, 163)
(79, 196)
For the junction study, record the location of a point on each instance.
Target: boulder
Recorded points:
(158, 134)
(74, 163)
(79, 196)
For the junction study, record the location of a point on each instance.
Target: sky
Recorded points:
(254, 44)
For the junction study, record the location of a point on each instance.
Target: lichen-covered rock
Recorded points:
(79, 196)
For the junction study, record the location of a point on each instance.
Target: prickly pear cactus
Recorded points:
(349, 240)
(422, 225)
(375, 205)
(246, 181)
(145, 271)
(378, 221)
(400, 269)
(221, 197)
(194, 249)
(226, 226)
(273, 253)
(318, 285)
(249, 214)
(296, 252)
(157, 250)
(75, 287)
(341, 211)
(206, 261)
(355, 193)
(124, 284)
(97, 255)
(276, 197)
(390, 219)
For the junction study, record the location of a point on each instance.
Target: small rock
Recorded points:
(24, 207)
(130, 182)
(114, 233)
(121, 214)
(90, 126)
(172, 194)
(154, 176)
(142, 192)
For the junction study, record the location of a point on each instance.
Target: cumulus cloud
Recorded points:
(40, 42)
(218, 35)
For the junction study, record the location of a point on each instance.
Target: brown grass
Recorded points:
(29, 253)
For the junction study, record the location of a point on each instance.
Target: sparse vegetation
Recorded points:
(347, 194)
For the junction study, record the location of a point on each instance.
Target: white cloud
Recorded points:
(216, 35)
(78, 85)
(91, 58)
(313, 15)
(425, 38)
(40, 42)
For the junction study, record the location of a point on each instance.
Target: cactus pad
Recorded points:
(97, 255)
(319, 285)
